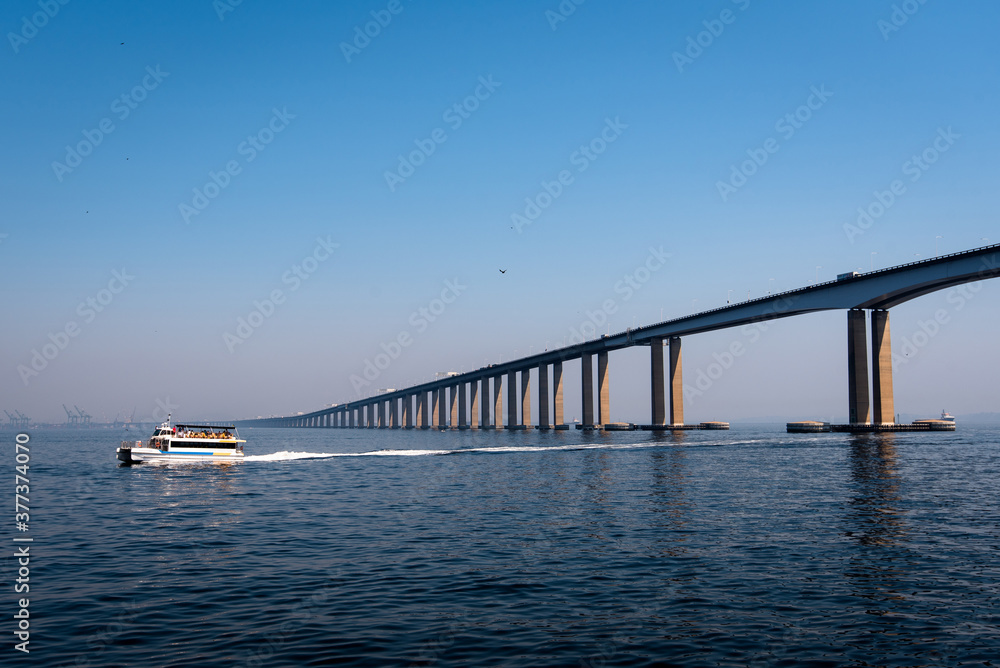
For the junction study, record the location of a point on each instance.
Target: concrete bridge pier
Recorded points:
(557, 397)
(407, 411)
(394, 413)
(423, 418)
(525, 422)
(474, 405)
(453, 403)
(658, 408)
(882, 401)
(858, 410)
(676, 383)
(437, 408)
(587, 380)
(511, 399)
(603, 390)
(463, 407)
(498, 402)
(543, 397)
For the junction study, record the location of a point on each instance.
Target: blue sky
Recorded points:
(199, 90)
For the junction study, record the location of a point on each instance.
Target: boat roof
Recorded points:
(205, 426)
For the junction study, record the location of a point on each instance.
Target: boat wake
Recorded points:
(285, 455)
(289, 456)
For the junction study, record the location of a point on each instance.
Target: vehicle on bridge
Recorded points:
(185, 443)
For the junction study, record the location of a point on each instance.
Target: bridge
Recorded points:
(468, 401)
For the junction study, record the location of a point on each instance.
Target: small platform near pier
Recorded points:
(813, 426)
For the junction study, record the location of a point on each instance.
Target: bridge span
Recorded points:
(468, 401)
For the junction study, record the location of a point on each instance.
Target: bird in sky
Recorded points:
(503, 271)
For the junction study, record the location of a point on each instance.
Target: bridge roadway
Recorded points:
(875, 291)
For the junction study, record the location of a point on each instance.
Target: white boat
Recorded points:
(185, 442)
(947, 417)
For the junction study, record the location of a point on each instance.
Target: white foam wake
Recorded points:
(288, 456)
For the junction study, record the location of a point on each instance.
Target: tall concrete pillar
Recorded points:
(393, 413)
(511, 399)
(498, 402)
(543, 396)
(423, 413)
(604, 389)
(557, 395)
(587, 381)
(658, 409)
(380, 414)
(474, 405)
(437, 408)
(463, 408)
(882, 403)
(676, 383)
(453, 400)
(407, 411)
(857, 369)
(526, 398)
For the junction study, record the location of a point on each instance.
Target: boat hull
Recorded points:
(145, 455)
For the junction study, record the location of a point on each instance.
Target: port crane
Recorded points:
(20, 421)
(84, 417)
(71, 417)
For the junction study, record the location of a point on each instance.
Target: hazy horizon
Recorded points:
(173, 170)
